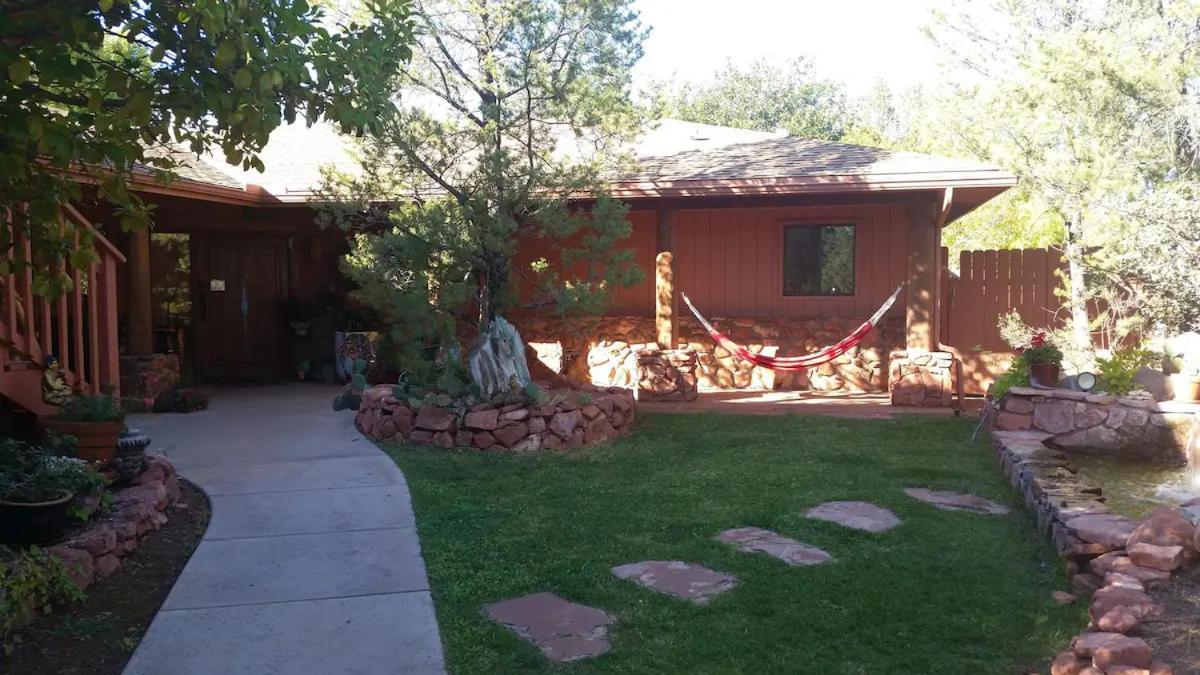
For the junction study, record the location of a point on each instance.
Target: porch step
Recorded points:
(23, 386)
(18, 365)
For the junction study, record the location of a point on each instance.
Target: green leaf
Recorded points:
(19, 70)
(225, 55)
(35, 126)
(243, 78)
(106, 5)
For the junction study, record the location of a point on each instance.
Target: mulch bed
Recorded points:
(1175, 638)
(98, 635)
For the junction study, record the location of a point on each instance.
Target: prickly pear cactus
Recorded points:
(350, 398)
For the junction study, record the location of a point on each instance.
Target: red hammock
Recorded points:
(797, 363)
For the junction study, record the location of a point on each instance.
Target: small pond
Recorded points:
(1134, 487)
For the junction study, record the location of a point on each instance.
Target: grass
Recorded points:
(945, 592)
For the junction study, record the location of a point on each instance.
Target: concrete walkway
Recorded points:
(311, 562)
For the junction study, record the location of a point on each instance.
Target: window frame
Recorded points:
(781, 277)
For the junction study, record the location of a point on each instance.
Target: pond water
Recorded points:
(1132, 487)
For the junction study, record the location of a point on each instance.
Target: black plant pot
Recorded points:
(131, 455)
(35, 523)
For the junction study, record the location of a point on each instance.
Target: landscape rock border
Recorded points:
(1109, 558)
(97, 551)
(575, 420)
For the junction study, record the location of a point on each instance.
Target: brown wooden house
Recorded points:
(786, 243)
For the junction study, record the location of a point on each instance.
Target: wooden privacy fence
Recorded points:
(987, 286)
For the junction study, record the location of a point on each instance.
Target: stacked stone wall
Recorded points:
(605, 351)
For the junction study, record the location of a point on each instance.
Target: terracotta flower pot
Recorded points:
(24, 523)
(97, 440)
(1045, 374)
(1185, 388)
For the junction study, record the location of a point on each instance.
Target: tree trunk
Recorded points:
(1077, 290)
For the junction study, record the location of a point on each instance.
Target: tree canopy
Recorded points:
(762, 95)
(92, 91)
(1094, 106)
(512, 109)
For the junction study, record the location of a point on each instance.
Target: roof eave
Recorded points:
(813, 184)
(250, 195)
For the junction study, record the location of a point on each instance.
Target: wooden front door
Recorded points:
(241, 282)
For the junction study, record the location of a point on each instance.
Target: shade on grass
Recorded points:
(945, 592)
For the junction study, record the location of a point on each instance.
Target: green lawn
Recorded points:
(945, 592)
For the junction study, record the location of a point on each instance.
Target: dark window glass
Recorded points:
(818, 260)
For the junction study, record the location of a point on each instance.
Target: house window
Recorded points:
(818, 260)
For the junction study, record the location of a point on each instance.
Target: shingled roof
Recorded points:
(792, 157)
(674, 158)
(190, 167)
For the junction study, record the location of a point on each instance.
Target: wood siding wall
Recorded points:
(730, 261)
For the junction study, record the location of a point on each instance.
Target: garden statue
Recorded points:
(497, 359)
(56, 391)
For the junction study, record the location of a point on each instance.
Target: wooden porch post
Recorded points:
(138, 311)
(924, 250)
(666, 322)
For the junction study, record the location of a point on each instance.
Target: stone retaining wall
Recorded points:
(574, 420)
(604, 351)
(96, 552)
(1100, 423)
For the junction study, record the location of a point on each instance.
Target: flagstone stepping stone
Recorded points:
(564, 631)
(957, 501)
(677, 578)
(790, 551)
(858, 515)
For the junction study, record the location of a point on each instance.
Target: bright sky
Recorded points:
(853, 41)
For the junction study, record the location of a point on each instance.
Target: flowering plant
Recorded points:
(1041, 350)
(31, 473)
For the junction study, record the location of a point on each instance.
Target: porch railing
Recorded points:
(78, 327)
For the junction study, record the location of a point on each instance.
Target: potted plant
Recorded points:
(302, 370)
(1044, 359)
(95, 420)
(37, 488)
(131, 455)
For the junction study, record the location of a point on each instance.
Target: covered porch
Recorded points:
(783, 272)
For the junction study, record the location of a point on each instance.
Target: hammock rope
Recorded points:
(791, 364)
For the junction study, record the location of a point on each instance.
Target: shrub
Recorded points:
(1016, 376)
(1117, 372)
(32, 473)
(32, 582)
(136, 404)
(91, 408)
